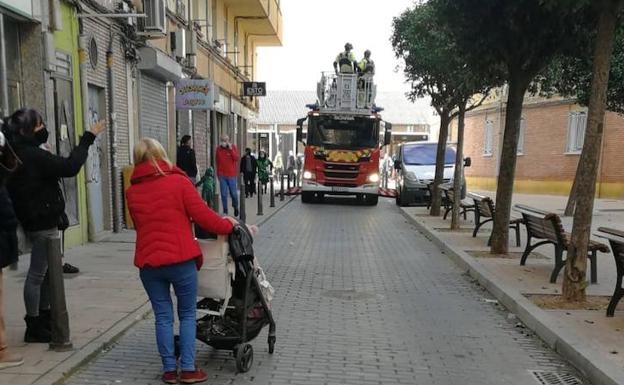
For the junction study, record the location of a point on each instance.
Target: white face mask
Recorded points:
(223, 144)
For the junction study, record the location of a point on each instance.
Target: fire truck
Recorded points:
(345, 134)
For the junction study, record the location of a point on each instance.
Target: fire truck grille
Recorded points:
(347, 171)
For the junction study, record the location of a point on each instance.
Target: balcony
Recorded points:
(260, 19)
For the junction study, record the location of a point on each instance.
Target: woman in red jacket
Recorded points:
(162, 203)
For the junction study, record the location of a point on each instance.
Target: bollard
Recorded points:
(241, 202)
(58, 307)
(259, 198)
(281, 187)
(289, 177)
(272, 192)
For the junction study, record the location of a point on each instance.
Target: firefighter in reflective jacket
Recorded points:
(366, 65)
(346, 61)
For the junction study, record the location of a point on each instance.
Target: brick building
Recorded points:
(551, 138)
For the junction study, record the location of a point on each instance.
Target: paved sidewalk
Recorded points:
(104, 299)
(588, 338)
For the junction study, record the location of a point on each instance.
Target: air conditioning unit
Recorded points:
(191, 42)
(181, 9)
(155, 24)
(178, 43)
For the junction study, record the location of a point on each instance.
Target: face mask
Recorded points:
(41, 136)
(223, 144)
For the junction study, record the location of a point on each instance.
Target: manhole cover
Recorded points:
(555, 378)
(348, 295)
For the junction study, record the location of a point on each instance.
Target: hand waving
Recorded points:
(98, 127)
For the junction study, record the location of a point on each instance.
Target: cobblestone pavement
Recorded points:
(361, 298)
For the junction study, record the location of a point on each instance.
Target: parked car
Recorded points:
(415, 167)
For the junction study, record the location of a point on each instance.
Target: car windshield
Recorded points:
(425, 154)
(331, 133)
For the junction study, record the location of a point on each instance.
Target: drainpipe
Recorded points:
(4, 89)
(112, 135)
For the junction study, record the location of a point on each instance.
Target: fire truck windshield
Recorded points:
(332, 133)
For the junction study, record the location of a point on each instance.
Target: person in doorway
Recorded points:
(227, 170)
(265, 168)
(8, 243)
(248, 167)
(40, 206)
(345, 62)
(185, 158)
(278, 164)
(162, 202)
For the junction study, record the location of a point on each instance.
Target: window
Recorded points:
(521, 133)
(489, 137)
(577, 122)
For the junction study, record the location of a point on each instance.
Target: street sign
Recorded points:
(194, 94)
(254, 89)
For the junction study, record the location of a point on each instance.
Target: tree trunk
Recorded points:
(504, 188)
(436, 199)
(571, 205)
(458, 177)
(574, 282)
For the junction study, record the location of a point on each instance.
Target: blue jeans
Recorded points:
(157, 283)
(228, 183)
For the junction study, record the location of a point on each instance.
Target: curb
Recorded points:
(76, 361)
(286, 203)
(586, 359)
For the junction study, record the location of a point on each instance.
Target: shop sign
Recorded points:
(194, 94)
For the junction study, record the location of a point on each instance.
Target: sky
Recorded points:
(316, 31)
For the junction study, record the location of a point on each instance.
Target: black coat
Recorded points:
(243, 166)
(8, 227)
(186, 161)
(34, 187)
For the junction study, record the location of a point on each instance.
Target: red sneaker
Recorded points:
(197, 375)
(170, 377)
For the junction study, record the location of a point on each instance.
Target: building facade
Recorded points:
(549, 146)
(81, 61)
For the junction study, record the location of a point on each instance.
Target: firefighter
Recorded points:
(345, 62)
(366, 65)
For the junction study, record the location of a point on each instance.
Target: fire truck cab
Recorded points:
(344, 138)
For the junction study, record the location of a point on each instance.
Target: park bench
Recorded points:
(447, 200)
(547, 228)
(484, 212)
(616, 239)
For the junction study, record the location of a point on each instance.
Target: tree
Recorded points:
(571, 77)
(576, 263)
(518, 38)
(434, 68)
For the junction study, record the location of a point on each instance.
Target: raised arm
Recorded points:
(59, 167)
(201, 214)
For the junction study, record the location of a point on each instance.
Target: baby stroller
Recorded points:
(234, 308)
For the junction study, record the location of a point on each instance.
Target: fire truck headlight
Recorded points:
(308, 175)
(373, 178)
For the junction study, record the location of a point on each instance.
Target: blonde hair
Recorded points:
(150, 150)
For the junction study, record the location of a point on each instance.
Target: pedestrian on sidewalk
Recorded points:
(265, 168)
(278, 164)
(162, 201)
(40, 205)
(227, 171)
(248, 167)
(185, 158)
(8, 244)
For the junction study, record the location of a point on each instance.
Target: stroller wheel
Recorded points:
(176, 346)
(244, 357)
(271, 344)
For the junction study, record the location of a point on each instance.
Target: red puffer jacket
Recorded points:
(162, 208)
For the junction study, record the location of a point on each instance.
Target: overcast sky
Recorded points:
(316, 31)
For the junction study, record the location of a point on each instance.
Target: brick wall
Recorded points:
(544, 165)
